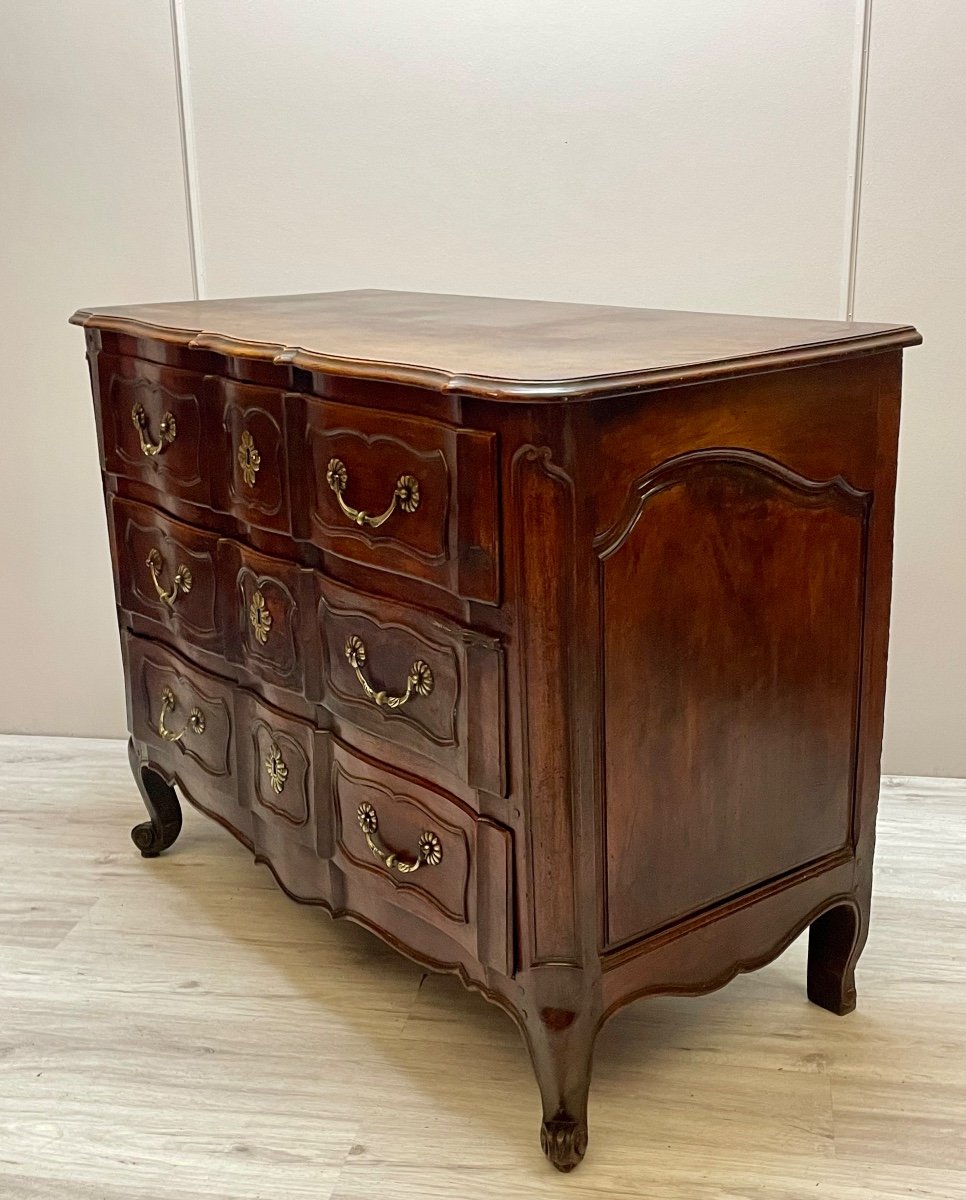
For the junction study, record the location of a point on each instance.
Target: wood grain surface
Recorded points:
(178, 1029)
(642, 755)
(487, 346)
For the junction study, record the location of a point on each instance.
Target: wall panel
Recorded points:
(672, 153)
(912, 255)
(92, 210)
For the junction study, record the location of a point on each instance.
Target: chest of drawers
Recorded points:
(546, 641)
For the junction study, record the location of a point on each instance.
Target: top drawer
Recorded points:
(200, 438)
(404, 494)
(152, 425)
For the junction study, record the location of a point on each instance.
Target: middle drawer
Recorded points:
(397, 675)
(218, 595)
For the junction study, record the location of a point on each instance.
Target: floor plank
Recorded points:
(178, 1028)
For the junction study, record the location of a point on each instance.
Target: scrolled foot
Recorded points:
(154, 836)
(148, 840)
(564, 1141)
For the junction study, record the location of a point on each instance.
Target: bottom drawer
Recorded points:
(235, 756)
(418, 863)
(185, 715)
(280, 764)
(414, 863)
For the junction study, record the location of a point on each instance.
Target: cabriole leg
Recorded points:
(835, 941)
(162, 804)
(561, 1045)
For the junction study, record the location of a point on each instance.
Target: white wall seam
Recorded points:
(189, 159)
(858, 161)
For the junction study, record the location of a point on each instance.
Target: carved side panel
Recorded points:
(732, 601)
(543, 505)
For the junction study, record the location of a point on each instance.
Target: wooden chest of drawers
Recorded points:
(546, 641)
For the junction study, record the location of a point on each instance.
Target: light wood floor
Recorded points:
(177, 1029)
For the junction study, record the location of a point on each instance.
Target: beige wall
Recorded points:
(671, 153)
(91, 205)
(912, 262)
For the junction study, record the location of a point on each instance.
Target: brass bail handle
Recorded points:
(180, 585)
(419, 681)
(195, 722)
(168, 431)
(405, 495)
(429, 851)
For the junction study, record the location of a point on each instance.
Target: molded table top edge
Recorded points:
(498, 349)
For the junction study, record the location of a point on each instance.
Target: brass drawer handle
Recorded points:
(181, 584)
(195, 722)
(259, 618)
(429, 851)
(419, 681)
(406, 495)
(168, 431)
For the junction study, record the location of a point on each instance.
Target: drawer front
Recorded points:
(153, 424)
(251, 478)
(274, 603)
(184, 714)
(278, 780)
(168, 572)
(406, 495)
(407, 678)
(404, 846)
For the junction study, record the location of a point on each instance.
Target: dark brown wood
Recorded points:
(448, 537)
(719, 717)
(835, 941)
(492, 347)
(258, 412)
(655, 622)
(140, 535)
(465, 709)
(180, 469)
(161, 832)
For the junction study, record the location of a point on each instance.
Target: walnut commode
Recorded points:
(546, 641)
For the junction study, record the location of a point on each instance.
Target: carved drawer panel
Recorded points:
(273, 603)
(278, 777)
(167, 571)
(250, 476)
(184, 714)
(407, 495)
(153, 425)
(407, 677)
(403, 846)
